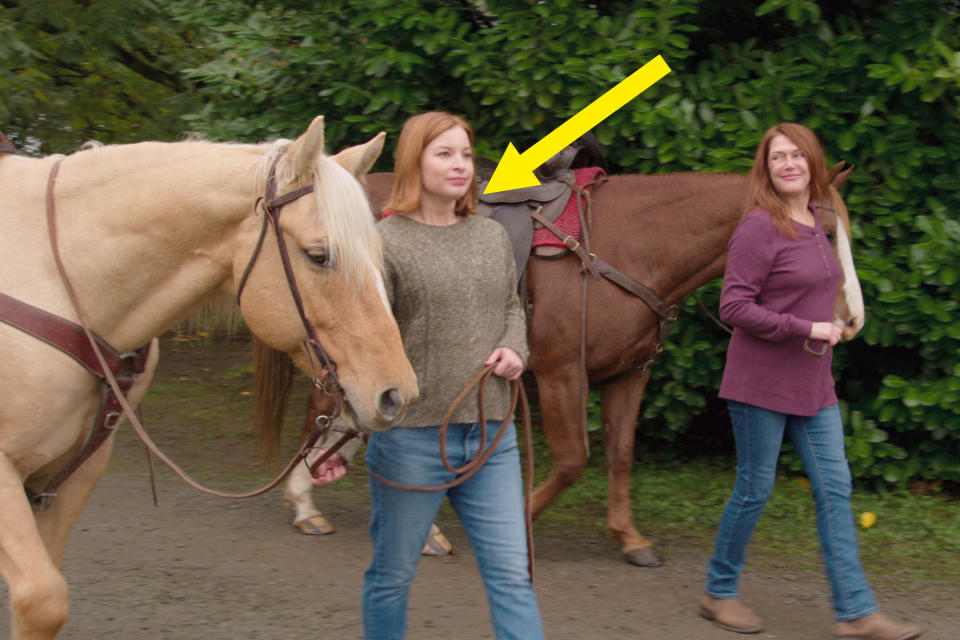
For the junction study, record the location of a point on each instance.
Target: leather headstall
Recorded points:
(271, 204)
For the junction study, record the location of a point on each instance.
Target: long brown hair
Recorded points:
(760, 190)
(419, 131)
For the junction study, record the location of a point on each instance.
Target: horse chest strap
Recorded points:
(68, 337)
(71, 339)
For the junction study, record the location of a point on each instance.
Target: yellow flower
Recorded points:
(867, 519)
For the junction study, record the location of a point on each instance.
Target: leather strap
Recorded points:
(117, 393)
(666, 313)
(272, 206)
(569, 242)
(70, 339)
(66, 336)
(517, 393)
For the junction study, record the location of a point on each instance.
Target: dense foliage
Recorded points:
(878, 81)
(106, 70)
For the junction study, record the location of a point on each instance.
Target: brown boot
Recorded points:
(731, 614)
(876, 626)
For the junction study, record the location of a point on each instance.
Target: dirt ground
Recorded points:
(199, 567)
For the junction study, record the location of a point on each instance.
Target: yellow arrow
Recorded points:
(515, 170)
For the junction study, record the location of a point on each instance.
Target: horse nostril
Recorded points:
(852, 322)
(390, 404)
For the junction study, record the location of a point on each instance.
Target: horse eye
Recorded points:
(320, 257)
(831, 236)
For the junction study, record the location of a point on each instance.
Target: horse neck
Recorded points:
(148, 230)
(678, 227)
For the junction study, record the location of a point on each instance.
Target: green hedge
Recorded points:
(878, 82)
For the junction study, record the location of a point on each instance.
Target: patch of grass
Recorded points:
(915, 538)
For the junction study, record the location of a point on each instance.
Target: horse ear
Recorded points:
(834, 170)
(842, 177)
(304, 150)
(359, 160)
(838, 178)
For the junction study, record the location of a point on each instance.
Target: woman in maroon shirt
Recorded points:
(778, 294)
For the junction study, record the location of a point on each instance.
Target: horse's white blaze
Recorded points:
(851, 285)
(378, 278)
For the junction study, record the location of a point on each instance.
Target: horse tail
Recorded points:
(273, 378)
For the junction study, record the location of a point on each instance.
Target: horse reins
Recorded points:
(271, 207)
(463, 473)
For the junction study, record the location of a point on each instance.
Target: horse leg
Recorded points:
(307, 519)
(296, 492)
(38, 592)
(562, 400)
(55, 523)
(620, 404)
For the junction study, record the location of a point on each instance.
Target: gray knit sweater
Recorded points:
(453, 291)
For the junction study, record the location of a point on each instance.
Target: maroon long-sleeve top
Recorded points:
(774, 289)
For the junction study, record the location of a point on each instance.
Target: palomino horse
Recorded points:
(148, 233)
(669, 232)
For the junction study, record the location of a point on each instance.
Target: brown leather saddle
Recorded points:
(519, 210)
(512, 208)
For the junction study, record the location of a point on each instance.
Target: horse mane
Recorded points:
(355, 245)
(353, 239)
(838, 205)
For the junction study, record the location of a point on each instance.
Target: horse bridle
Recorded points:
(327, 379)
(271, 204)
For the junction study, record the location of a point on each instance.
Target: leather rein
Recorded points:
(119, 372)
(517, 395)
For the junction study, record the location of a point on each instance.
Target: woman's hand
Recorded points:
(509, 363)
(330, 470)
(826, 331)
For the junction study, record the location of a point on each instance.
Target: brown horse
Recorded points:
(670, 232)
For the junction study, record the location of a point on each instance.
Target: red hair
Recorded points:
(419, 131)
(760, 190)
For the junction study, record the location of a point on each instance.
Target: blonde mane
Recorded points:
(343, 209)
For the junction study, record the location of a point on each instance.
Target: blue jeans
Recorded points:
(819, 442)
(489, 505)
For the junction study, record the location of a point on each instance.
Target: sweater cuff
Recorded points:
(520, 349)
(803, 327)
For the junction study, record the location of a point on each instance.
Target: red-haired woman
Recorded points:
(451, 281)
(778, 293)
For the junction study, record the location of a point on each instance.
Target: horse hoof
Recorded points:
(314, 526)
(437, 543)
(643, 557)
